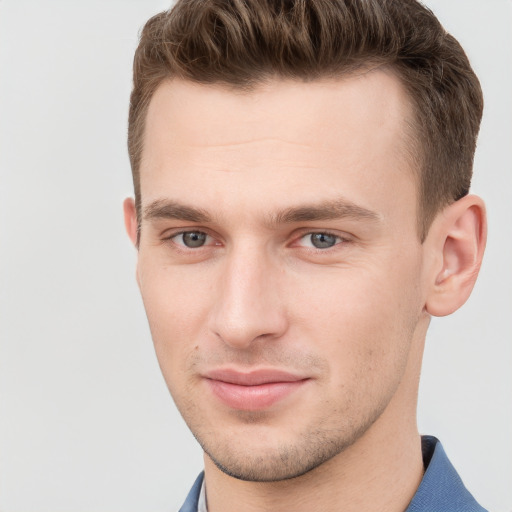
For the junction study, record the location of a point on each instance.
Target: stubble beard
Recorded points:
(288, 460)
(302, 448)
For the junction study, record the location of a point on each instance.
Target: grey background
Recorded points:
(86, 422)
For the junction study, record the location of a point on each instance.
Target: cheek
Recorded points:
(176, 304)
(361, 319)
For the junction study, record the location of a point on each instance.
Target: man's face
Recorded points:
(280, 266)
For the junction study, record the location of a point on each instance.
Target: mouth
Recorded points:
(252, 391)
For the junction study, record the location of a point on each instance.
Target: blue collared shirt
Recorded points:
(441, 489)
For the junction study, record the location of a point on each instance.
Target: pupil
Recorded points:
(194, 239)
(323, 240)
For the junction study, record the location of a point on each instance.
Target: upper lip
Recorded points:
(252, 378)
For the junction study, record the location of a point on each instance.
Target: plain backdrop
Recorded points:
(86, 422)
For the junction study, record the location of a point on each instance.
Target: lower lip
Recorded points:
(253, 398)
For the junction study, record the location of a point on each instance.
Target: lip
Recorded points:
(255, 390)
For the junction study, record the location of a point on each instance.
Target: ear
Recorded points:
(130, 220)
(457, 241)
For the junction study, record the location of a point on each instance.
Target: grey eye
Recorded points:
(193, 239)
(323, 240)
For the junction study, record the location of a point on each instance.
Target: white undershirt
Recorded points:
(201, 504)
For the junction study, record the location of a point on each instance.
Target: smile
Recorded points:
(252, 391)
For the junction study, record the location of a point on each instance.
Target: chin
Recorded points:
(290, 459)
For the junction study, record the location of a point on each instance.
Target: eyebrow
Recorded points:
(164, 209)
(325, 210)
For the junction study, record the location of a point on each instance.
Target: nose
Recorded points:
(249, 302)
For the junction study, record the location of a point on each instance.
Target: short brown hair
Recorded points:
(242, 43)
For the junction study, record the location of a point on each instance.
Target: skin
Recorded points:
(258, 173)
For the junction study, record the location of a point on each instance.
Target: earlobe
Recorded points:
(459, 236)
(130, 220)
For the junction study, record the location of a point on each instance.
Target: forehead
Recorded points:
(342, 136)
(279, 107)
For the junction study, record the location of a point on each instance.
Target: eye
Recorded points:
(191, 239)
(320, 240)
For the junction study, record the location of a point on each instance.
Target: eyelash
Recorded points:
(340, 240)
(172, 236)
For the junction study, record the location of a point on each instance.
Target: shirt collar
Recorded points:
(441, 487)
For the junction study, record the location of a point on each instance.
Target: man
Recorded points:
(301, 174)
